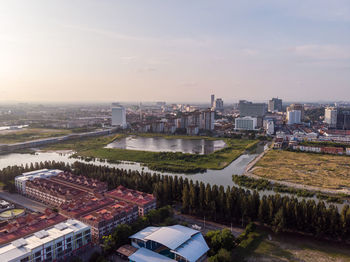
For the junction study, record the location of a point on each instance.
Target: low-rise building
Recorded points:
(144, 201)
(28, 224)
(20, 181)
(54, 243)
(50, 192)
(173, 243)
(105, 219)
(83, 183)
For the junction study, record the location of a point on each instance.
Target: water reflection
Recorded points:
(159, 144)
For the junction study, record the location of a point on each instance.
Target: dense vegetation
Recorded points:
(314, 114)
(264, 184)
(217, 203)
(160, 161)
(324, 143)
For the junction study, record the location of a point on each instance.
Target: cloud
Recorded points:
(322, 52)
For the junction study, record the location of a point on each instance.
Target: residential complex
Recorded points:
(53, 243)
(144, 201)
(172, 243)
(20, 181)
(87, 200)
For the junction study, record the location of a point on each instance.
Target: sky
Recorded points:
(174, 50)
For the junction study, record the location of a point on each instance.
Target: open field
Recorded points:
(27, 134)
(317, 170)
(161, 161)
(258, 247)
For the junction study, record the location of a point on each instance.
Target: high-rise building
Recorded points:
(330, 117)
(343, 120)
(119, 116)
(299, 107)
(247, 108)
(275, 104)
(219, 104)
(212, 101)
(246, 123)
(294, 117)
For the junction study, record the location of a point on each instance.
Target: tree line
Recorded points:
(216, 203)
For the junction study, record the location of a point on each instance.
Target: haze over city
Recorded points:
(99, 51)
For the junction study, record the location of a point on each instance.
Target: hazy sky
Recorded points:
(174, 50)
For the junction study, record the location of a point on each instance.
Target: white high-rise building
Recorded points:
(330, 116)
(119, 116)
(294, 117)
(246, 123)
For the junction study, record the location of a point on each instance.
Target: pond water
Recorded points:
(160, 144)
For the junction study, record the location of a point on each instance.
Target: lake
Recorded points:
(160, 144)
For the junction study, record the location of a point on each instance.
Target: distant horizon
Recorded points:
(93, 51)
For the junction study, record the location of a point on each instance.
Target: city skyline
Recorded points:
(92, 51)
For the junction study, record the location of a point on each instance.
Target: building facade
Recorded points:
(144, 201)
(119, 116)
(51, 244)
(20, 181)
(293, 117)
(275, 105)
(246, 123)
(330, 117)
(247, 108)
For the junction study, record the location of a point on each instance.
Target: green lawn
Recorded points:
(257, 247)
(162, 161)
(27, 134)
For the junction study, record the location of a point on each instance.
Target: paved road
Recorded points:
(236, 231)
(23, 201)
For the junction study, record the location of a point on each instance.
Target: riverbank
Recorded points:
(175, 162)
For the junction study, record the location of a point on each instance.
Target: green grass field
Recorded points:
(258, 247)
(27, 134)
(320, 170)
(165, 161)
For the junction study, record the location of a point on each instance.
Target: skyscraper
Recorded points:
(219, 104)
(294, 117)
(299, 107)
(330, 116)
(119, 116)
(212, 101)
(275, 104)
(343, 120)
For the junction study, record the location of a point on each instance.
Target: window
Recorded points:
(58, 244)
(37, 254)
(48, 249)
(24, 259)
(87, 232)
(69, 239)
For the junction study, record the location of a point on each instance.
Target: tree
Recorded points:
(185, 199)
(222, 256)
(279, 221)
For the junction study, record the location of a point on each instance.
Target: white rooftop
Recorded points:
(146, 255)
(38, 174)
(181, 240)
(24, 245)
(172, 236)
